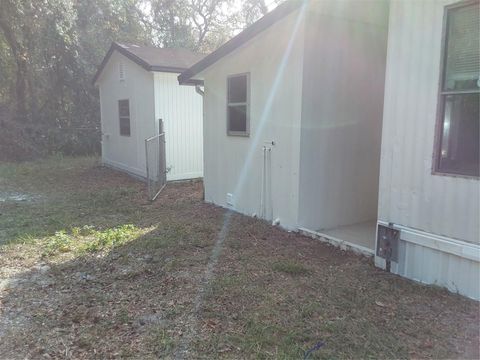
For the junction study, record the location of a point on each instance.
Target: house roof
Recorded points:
(265, 22)
(151, 58)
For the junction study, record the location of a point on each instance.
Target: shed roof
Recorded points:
(265, 22)
(152, 58)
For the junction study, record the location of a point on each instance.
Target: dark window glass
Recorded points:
(237, 118)
(123, 108)
(237, 89)
(458, 146)
(124, 117)
(460, 149)
(237, 105)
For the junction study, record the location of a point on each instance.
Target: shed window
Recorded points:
(238, 105)
(124, 117)
(457, 149)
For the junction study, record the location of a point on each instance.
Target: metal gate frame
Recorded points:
(156, 182)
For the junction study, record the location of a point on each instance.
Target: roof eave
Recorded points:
(125, 53)
(135, 59)
(169, 69)
(249, 33)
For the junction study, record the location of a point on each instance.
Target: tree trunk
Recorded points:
(21, 72)
(21, 90)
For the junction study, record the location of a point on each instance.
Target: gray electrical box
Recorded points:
(387, 242)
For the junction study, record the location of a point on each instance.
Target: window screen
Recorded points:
(458, 148)
(124, 117)
(238, 105)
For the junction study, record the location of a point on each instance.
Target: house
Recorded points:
(429, 168)
(293, 109)
(138, 87)
(293, 114)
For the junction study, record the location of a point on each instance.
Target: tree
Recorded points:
(50, 50)
(17, 34)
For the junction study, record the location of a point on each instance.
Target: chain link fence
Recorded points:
(155, 164)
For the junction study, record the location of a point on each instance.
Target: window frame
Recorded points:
(245, 133)
(120, 117)
(441, 94)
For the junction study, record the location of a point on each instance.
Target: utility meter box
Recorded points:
(387, 242)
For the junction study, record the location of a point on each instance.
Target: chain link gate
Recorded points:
(156, 163)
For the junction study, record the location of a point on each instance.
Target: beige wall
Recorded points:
(234, 164)
(409, 194)
(127, 153)
(343, 83)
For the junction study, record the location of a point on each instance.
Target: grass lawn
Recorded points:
(90, 269)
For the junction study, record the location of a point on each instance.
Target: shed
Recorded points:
(138, 87)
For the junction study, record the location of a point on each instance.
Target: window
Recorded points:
(124, 117)
(457, 146)
(121, 71)
(238, 106)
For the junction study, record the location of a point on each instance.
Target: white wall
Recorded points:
(343, 83)
(127, 153)
(274, 59)
(439, 215)
(181, 109)
(409, 194)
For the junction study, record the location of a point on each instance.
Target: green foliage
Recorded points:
(290, 267)
(50, 50)
(87, 239)
(162, 341)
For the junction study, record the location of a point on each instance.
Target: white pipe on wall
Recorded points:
(266, 206)
(262, 192)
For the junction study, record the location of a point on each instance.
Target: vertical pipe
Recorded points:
(262, 194)
(269, 156)
(146, 167)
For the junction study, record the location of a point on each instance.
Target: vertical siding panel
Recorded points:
(181, 108)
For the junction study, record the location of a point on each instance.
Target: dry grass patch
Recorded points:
(89, 268)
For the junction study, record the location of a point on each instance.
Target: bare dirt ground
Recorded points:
(90, 269)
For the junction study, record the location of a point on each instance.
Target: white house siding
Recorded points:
(233, 164)
(343, 84)
(123, 152)
(425, 205)
(181, 109)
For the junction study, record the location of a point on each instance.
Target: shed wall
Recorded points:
(233, 164)
(181, 109)
(126, 152)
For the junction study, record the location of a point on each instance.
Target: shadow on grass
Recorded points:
(120, 290)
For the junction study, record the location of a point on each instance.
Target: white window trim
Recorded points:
(245, 133)
(435, 169)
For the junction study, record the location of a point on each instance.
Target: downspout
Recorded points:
(199, 90)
